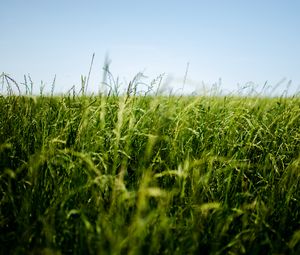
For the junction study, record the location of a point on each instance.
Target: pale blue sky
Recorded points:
(237, 41)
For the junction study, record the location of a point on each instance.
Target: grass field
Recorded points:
(149, 175)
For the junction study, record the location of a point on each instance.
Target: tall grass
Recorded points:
(157, 174)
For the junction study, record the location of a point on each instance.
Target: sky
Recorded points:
(195, 44)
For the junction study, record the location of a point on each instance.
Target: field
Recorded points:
(141, 174)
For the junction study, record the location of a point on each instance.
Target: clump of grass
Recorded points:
(134, 174)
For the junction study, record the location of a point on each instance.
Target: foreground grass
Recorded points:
(149, 175)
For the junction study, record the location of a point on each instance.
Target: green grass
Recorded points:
(149, 175)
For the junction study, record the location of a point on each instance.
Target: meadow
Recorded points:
(149, 174)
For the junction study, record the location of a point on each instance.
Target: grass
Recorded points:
(157, 174)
